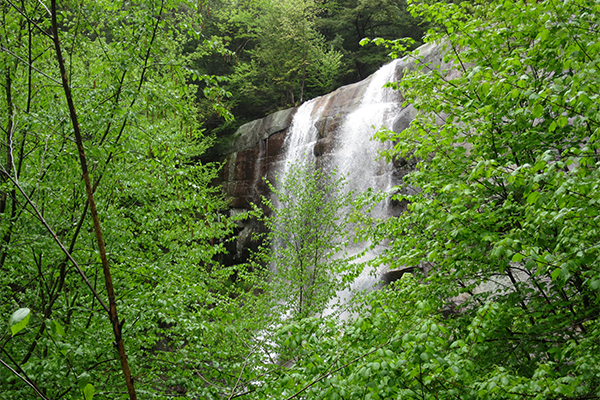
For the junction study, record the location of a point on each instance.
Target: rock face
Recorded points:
(258, 146)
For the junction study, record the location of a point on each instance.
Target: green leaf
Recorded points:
(57, 328)
(532, 198)
(19, 320)
(88, 392)
(537, 110)
(485, 88)
(562, 121)
(555, 274)
(83, 380)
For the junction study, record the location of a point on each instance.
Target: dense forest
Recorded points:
(111, 226)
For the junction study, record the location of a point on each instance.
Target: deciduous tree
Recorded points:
(100, 134)
(308, 233)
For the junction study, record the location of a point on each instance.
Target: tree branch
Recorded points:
(27, 381)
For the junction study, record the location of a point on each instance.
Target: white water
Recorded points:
(302, 137)
(354, 155)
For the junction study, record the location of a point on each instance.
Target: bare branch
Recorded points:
(4, 49)
(39, 216)
(27, 381)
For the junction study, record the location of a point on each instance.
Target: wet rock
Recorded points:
(324, 146)
(395, 274)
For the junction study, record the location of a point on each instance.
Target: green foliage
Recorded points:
(508, 176)
(506, 219)
(504, 226)
(157, 206)
(346, 22)
(284, 60)
(391, 350)
(280, 53)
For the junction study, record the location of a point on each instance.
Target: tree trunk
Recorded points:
(113, 315)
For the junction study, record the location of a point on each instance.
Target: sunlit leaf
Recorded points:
(88, 392)
(19, 320)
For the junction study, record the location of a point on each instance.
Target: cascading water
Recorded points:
(356, 156)
(353, 154)
(302, 136)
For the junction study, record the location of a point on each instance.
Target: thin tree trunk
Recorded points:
(113, 316)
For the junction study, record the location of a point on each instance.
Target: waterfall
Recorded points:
(302, 136)
(353, 153)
